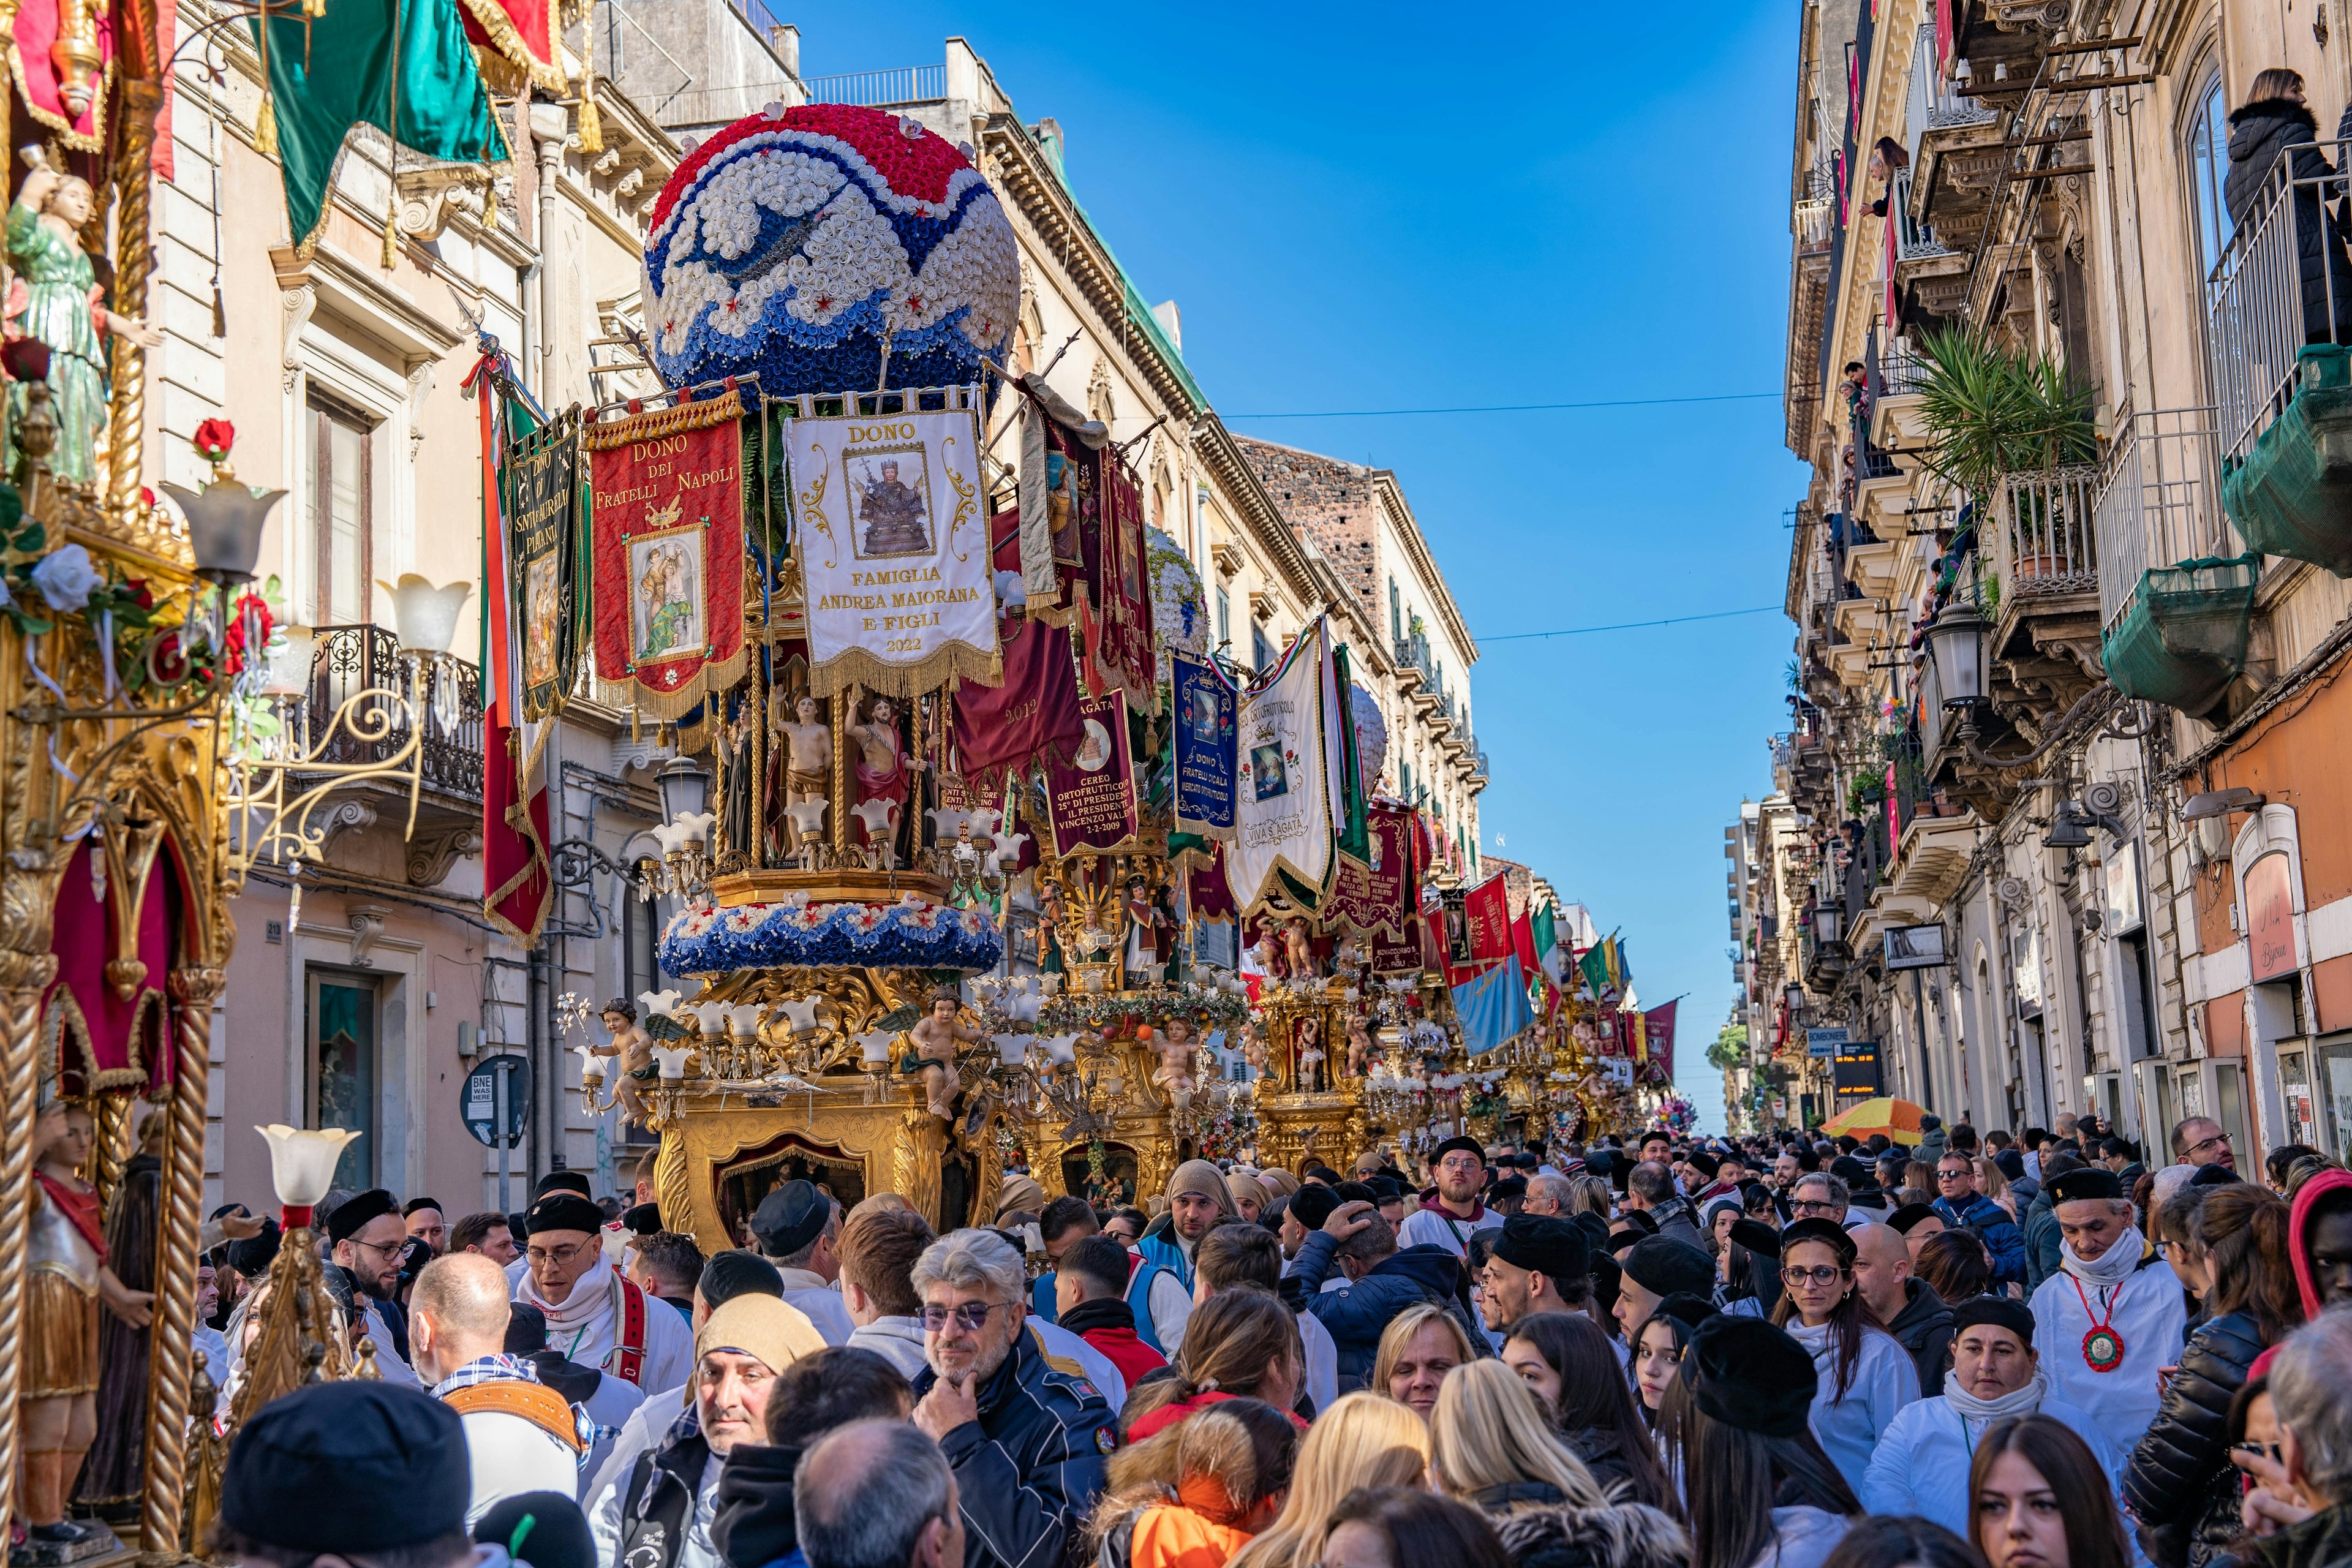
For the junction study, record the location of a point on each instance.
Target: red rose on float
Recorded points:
(214, 438)
(252, 612)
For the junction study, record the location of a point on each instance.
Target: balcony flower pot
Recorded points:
(2182, 639)
(2292, 494)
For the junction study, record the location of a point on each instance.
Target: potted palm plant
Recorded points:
(1993, 414)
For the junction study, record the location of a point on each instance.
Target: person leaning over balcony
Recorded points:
(2275, 117)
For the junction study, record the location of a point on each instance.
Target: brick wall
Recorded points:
(1333, 503)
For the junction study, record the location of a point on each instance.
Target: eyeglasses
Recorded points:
(2204, 1143)
(385, 1248)
(559, 1256)
(1819, 1274)
(970, 1316)
(1813, 1206)
(1958, 1175)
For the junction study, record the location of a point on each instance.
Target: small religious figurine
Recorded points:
(66, 1280)
(1174, 1073)
(1264, 956)
(801, 770)
(1309, 1041)
(1252, 1046)
(1298, 952)
(936, 1037)
(1359, 1045)
(885, 772)
(62, 307)
(635, 1049)
(1147, 949)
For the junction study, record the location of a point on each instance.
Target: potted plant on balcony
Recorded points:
(1993, 414)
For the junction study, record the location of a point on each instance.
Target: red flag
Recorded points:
(1523, 943)
(1489, 912)
(517, 889)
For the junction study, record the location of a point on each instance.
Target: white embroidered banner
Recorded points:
(893, 552)
(1282, 776)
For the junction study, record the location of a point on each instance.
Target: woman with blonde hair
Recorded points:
(1418, 1348)
(1492, 1446)
(1364, 1440)
(1588, 1194)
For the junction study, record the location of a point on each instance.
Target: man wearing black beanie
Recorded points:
(354, 1467)
(1541, 1263)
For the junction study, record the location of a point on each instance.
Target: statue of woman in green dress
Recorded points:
(62, 306)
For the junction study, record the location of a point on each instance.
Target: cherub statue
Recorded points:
(1298, 952)
(1174, 1045)
(635, 1049)
(1359, 1045)
(1268, 952)
(1252, 1046)
(936, 1036)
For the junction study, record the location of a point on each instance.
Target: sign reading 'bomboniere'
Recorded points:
(894, 551)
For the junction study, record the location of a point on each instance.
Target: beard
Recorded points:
(984, 1366)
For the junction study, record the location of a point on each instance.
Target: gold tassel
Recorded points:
(264, 128)
(592, 124)
(391, 241)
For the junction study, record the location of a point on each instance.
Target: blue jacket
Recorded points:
(1029, 1468)
(1356, 1316)
(1996, 1229)
(1137, 1298)
(1164, 1251)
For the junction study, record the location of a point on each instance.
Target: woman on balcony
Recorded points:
(2275, 119)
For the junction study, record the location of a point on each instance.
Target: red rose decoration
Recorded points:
(25, 359)
(252, 610)
(169, 658)
(214, 438)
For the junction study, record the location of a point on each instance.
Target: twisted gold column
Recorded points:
(134, 260)
(23, 978)
(193, 990)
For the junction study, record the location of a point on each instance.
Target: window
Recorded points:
(2209, 165)
(340, 1067)
(1224, 618)
(1261, 650)
(341, 487)
(1396, 614)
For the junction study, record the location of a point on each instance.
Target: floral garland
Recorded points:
(911, 934)
(1118, 1012)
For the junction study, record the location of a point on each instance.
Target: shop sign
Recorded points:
(2270, 918)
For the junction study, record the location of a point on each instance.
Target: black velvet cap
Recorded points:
(1748, 1375)
(736, 1272)
(1311, 1205)
(540, 1530)
(790, 1217)
(1546, 1244)
(1999, 1312)
(1662, 1266)
(560, 1182)
(1906, 1218)
(2090, 1182)
(1451, 1144)
(1821, 1230)
(295, 1471)
(354, 1212)
(562, 1211)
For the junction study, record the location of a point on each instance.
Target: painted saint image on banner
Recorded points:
(891, 487)
(1094, 752)
(665, 590)
(1268, 776)
(1206, 717)
(542, 619)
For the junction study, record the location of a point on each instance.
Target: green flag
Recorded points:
(1355, 828)
(329, 74)
(1546, 938)
(1595, 966)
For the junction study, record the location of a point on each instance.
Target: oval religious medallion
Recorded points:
(2103, 1348)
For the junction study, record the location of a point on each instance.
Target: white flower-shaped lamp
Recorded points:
(303, 1165)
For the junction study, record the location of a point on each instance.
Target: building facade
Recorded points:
(2062, 710)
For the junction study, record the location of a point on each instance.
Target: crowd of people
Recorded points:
(2029, 1351)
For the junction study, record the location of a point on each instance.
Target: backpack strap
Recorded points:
(532, 1401)
(629, 1345)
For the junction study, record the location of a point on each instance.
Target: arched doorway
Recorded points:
(752, 1175)
(1119, 1162)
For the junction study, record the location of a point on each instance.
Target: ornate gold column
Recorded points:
(24, 977)
(134, 262)
(194, 992)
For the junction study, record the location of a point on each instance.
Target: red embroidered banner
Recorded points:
(1091, 797)
(518, 32)
(1488, 911)
(1123, 591)
(1377, 897)
(1035, 714)
(666, 516)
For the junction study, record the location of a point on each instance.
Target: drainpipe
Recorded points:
(549, 124)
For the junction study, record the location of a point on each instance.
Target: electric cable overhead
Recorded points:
(1513, 408)
(1628, 626)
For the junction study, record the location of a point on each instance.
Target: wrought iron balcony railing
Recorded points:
(2160, 502)
(2046, 544)
(2261, 309)
(351, 659)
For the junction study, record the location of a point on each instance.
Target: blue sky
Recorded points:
(1389, 207)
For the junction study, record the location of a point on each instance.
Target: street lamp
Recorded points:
(225, 522)
(2066, 829)
(1827, 918)
(685, 788)
(1956, 641)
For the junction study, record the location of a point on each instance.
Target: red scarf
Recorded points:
(81, 1208)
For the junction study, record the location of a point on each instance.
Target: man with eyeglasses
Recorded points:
(1026, 1434)
(2200, 1140)
(1818, 1195)
(1958, 1202)
(369, 1239)
(654, 1508)
(594, 1316)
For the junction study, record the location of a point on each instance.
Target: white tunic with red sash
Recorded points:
(606, 1322)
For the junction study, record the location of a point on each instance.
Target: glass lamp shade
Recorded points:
(654, 1002)
(302, 1162)
(673, 1061)
(685, 788)
(289, 666)
(1012, 1049)
(225, 520)
(1826, 920)
(1795, 997)
(874, 1045)
(423, 617)
(712, 1017)
(1956, 641)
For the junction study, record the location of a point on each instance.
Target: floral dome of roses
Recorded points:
(792, 247)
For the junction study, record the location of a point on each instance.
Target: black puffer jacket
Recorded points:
(2180, 1484)
(2258, 133)
(1625, 1535)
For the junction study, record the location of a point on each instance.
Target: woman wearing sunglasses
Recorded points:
(1865, 1375)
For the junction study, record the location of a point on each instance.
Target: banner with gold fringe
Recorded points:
(665, 499)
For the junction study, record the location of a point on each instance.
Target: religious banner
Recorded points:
(894, 552)
(1286, 761)
(519, 36)
(1489, 910)
(542, 478)
(1034, 715)
(1454, 923)
(1376, 895)
(1091, 797)
(666, 516)
(1493, 1008)
(1206, 705)
(1121, 575)
(1403, 953)
(1658, 1035)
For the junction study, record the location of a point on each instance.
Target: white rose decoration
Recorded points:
(66, 578)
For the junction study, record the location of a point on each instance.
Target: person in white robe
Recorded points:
(2113, 1316)
(588, 1303)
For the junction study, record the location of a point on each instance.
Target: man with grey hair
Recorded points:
(1548, 1195)
(1817, 1194)
(877, 1494)
(2112, 1319)
(1650, 1188)
(1025, 1432)
(2302, 1495)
